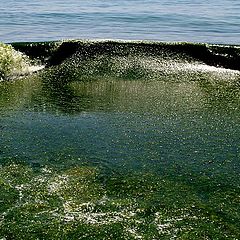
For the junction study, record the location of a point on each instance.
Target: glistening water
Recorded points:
(116, 147)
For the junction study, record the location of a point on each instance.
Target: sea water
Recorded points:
(215, 21)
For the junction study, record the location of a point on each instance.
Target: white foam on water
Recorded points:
(208, 68)
(85, 213)
(134, 233)
(155, 67)
(35, 68)
(57, 184)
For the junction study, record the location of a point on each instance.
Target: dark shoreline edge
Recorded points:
(55, 52)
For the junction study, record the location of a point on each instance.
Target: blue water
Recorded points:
(216, 21)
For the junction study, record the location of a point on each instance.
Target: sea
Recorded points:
(119, 120)
(215, 21)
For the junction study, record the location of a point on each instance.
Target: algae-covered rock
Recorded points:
(14, 63)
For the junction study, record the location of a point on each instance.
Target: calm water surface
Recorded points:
(188, 20)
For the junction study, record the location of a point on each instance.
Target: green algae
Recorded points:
(121, 141)
(75, 203)
(12, 62)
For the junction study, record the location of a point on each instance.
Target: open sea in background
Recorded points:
(215, 21)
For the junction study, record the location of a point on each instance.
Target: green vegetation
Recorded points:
(12, 62)
(77, 204)
(119, 141)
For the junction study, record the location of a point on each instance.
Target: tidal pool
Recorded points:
(121, 156)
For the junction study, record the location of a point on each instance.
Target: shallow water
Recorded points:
(133, 151)
(215, 21)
